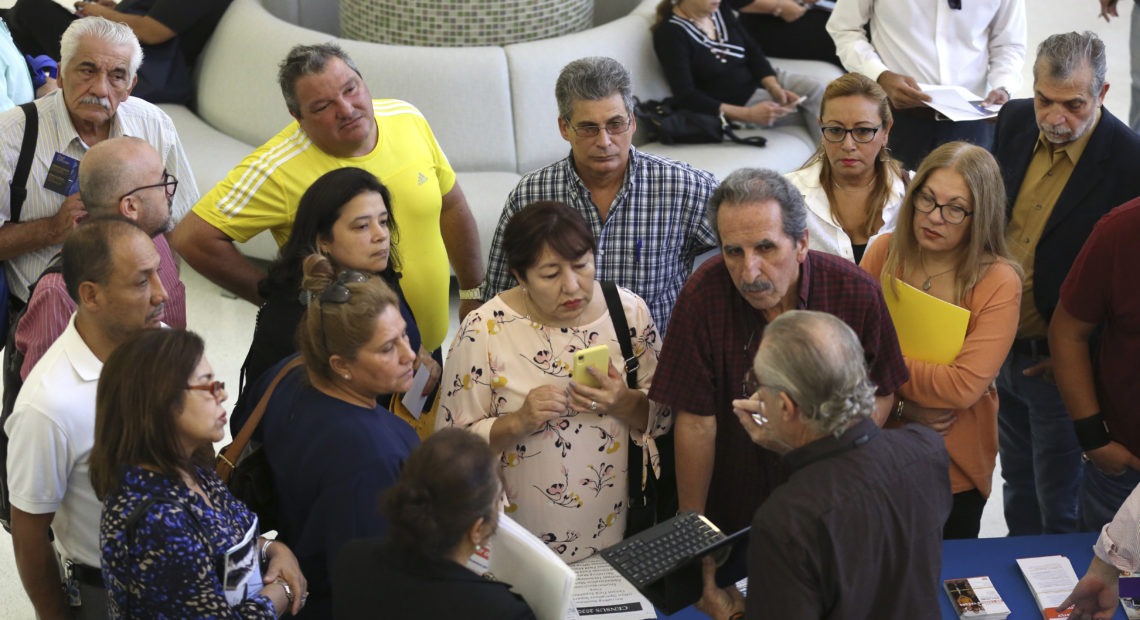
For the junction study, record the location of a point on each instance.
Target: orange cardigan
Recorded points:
(967, 384)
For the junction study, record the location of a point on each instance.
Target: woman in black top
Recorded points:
(444, 507)
(347, 216)
(714, 67)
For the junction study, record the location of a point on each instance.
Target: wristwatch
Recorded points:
(467, 294)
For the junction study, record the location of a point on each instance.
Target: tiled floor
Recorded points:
(226, 323)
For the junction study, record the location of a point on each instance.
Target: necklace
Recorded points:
(926, 283)
(854, 189)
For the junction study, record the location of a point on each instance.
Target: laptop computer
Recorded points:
(664, 561)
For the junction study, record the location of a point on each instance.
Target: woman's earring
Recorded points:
(347, 377)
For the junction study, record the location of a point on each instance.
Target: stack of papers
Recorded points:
(976, 598)
(1051, 579)
(533, 571)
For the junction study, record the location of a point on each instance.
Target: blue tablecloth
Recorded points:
(997, 559)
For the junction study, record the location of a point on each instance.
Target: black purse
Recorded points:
(247, 473)
(651, 499)
(669, 124)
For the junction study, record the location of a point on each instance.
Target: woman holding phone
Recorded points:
(563, 444)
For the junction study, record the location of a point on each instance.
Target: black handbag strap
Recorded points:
(731, 133)
(617, 315)
(19, 186)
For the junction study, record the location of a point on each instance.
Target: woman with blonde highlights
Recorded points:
(852, 185)
(950, 244)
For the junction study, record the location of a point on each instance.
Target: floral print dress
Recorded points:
(567, 483)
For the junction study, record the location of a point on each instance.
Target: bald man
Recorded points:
(121, 176)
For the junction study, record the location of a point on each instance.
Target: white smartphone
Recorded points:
(596, 357)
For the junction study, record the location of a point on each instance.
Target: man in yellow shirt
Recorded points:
(339, 124)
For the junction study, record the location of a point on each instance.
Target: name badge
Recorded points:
(63, 175)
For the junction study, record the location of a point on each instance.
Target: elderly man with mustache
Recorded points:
(765, 269)
(1065, 161)
(98, 68)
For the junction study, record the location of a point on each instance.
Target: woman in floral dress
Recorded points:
(563, 444)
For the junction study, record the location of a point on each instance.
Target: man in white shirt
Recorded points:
(111, 269)
(96, 76)
(977, 46)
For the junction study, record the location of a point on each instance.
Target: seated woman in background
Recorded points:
(852, 186)
(714, 67)
(169, 523)
(346, 215)
(332, 446)
(950, 243)
(507, 378)
(789, 28)
(443, 508)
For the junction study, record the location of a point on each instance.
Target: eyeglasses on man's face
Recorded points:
(862, 135)
(169, 183)
(951, 213)
(590, 130)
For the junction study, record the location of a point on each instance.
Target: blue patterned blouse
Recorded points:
(167, 565)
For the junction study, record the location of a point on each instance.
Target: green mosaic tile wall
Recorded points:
(462, 23)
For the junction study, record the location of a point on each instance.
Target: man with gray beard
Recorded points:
(1065, 161)
(98, 69)
(765, 269)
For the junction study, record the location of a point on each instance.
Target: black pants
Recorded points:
(805, 38)
(37, 25)
(916, 133)
(965, 520)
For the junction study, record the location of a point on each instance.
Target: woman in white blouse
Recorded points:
(852, 185)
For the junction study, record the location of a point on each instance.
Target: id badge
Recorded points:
(71, 587)
(63, 175)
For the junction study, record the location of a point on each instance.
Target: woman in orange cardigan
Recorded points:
(950, 243)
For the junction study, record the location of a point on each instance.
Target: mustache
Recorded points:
(1056, 130)
(99, 101)
(756, 286)
(157, 313)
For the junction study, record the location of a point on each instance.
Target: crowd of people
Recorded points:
(776, 384)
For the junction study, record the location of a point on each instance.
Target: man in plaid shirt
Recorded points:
(647, 212)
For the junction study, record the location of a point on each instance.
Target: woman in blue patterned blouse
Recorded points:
(175, 542)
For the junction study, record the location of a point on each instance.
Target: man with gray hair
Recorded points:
(765, 269)
(339, 124)
(122, 176)
(856, 531)
(647, 212)
(1065, 161)
(97, 72)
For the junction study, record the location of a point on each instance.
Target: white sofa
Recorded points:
(492, 108)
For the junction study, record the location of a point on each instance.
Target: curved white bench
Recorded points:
(492, 108)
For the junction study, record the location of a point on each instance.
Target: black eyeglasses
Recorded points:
(590, 130)
(862, 135)
(338, 293)
(751, 384)
(217, 389)
(952, 213)
(169, 183)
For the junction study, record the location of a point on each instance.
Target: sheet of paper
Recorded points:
(414, 399)
(824, 5)
(601, 592)
(1051, 578)
(957, 103)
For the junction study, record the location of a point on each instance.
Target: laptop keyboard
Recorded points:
(654, 553)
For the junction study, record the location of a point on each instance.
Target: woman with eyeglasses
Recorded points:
(714, 67)
(564, 445)
(347, 216)
(851, 185)
(950, 244)
(175, 542)
(332, 445)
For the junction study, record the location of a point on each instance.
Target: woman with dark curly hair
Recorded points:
(442, 510)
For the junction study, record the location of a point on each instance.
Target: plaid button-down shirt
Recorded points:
(656, 226)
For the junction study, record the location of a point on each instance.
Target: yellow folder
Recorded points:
(929, 329)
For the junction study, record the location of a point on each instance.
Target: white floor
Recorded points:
(227, 323)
